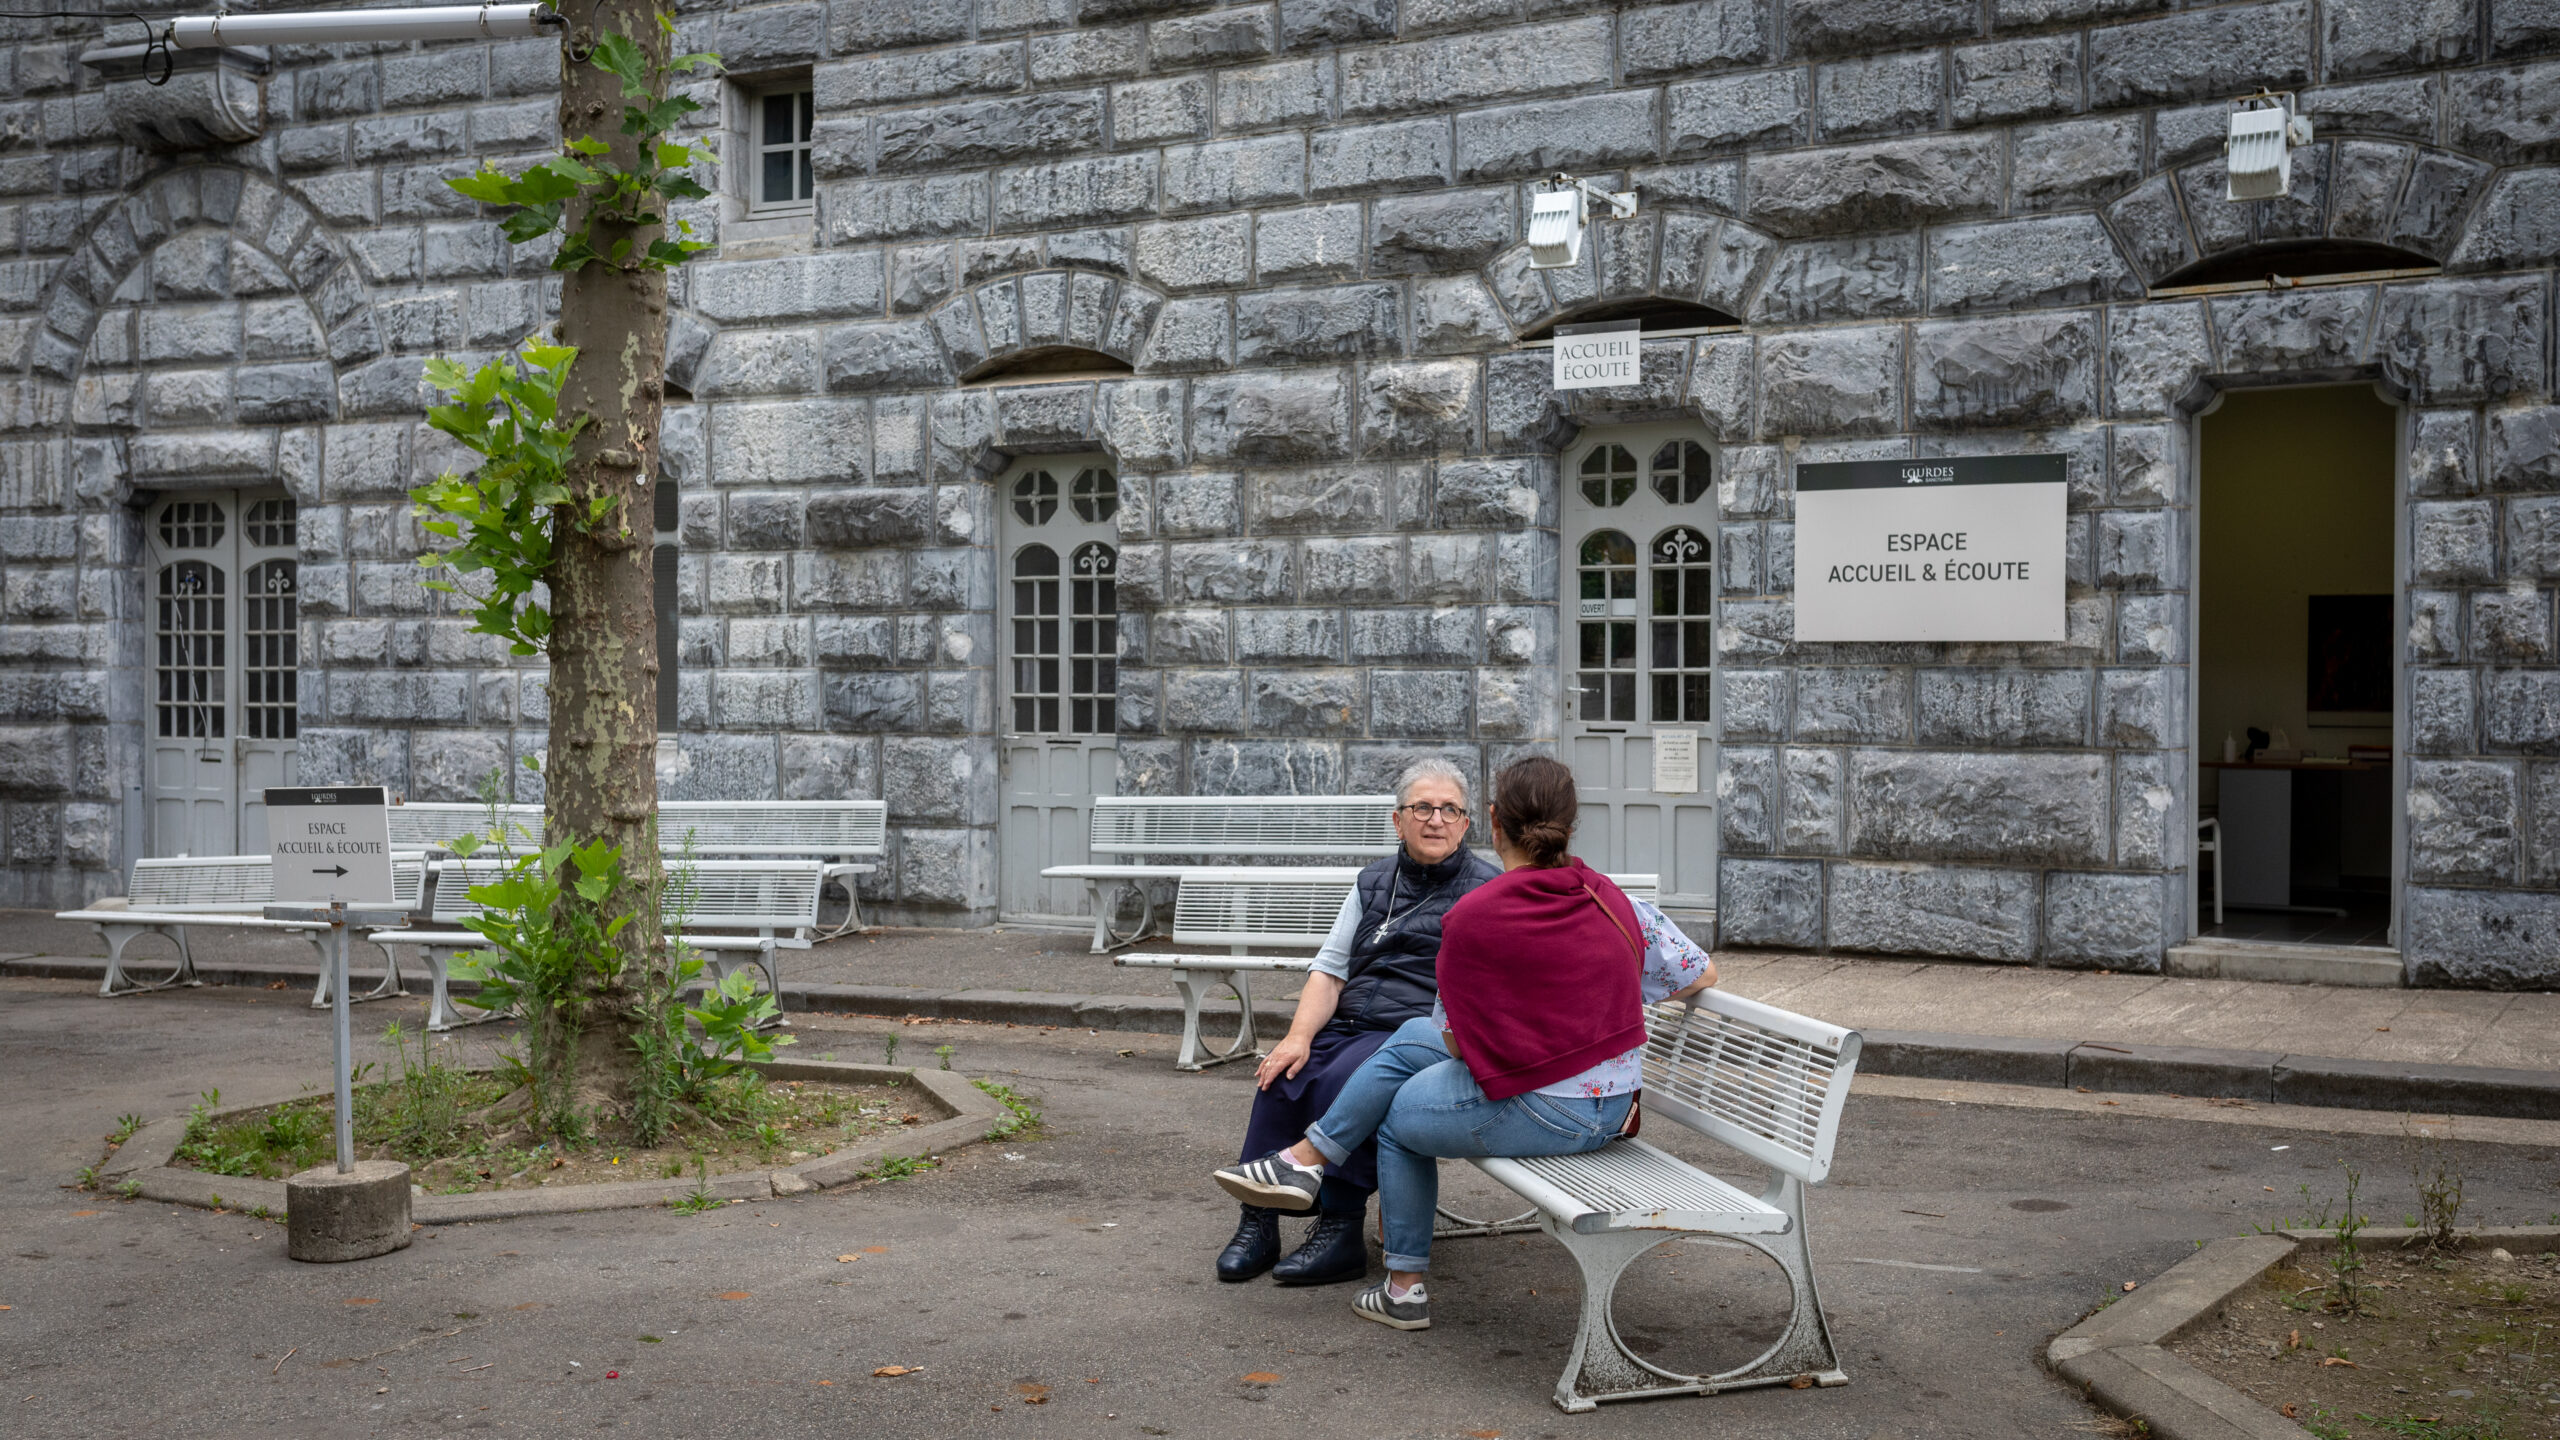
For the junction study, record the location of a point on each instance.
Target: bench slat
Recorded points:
(1244, 825)
(1630, 1185)
(238, 883)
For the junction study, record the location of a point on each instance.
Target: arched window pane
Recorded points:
(1682, 569)
(269, 524)
(189, 635)
(269, 660)
(190, 524)
(1605, 674)
(1093, 655)
(1682, 471)
(1036, 639)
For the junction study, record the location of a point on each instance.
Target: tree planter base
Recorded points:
(329, 1217)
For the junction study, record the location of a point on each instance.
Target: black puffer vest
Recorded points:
(1394, 976)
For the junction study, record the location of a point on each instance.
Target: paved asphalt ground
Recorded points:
(1954, 1240)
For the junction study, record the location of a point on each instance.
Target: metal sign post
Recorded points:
(332, 845)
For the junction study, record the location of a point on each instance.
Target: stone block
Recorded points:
(1182, 255)
(2520, 712)
(1445, 635)
(2008, 707)
(1271, 636)
(2524, 447)
(1276, 418)
(2443, 715)
(2139, 550)
(2511, 625)
(2148, 834)
(1852, 705)
(1306, 23)
(2025, 808)
(2366, 37)
(2226, 51)
(331, 1217)
(1327, 323)
(983, 132)
(1076, 192)
(2073, 163)
(1765, 108)
(2464, 822)
(2436, 202)
(1425, 407)
(1216, 38)
(1540, 137)
(1809, 814)
(1204, 700)
(1932, 910)
(1820, 280)
(791, 442)
(1231, 572)
(2109, 920)
(2453, 340)
(1773, 903)
(946, 781)
(898, 355)
(2542, 824)
(2012, 370)
(1886, 185)
(1420, 234)
(2157, 357)
(2308, 332)
(2482, 939)
(938, 74)
(1891, 94)
(1266, 767)
(2533, 538)
(1845, 381)
(1747, 799)
(1314, 242)
(1142, 422)
(1290, 92)
(1425, 703)
(2141, 709)
(1332, 498)
(1234, 174)
(1194, 506)
(852, 519)
(903, 209)
(36, 762)
(1501, 493)
(1306, 702)
(2016, 264)
(2453, 542)
(2015, 80)
(1472, 68)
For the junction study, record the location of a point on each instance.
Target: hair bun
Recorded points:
(1535, 808)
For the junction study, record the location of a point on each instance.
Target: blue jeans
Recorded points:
(1425, 1107)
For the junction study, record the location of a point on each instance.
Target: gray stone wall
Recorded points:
(1939, 222)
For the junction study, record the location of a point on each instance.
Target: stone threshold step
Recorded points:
(2286, 964)
(2272, 1077)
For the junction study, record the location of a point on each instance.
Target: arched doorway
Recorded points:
(1058, 692)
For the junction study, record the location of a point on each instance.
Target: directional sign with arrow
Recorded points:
(331, 843)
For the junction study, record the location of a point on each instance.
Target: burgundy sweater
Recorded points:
(1538, 985)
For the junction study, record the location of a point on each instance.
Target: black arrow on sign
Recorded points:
(341, 870)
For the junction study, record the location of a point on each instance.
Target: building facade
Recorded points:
(1145, 395)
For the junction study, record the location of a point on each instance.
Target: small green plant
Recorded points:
(2440, 1427)
(86, 1179)
(130, 1189)
(769, 1137)
(2438, 1179)
(2346, 1260)
(889, 1050)
(125, 1126)
(944, 1053)
(544, 956)
(2326, 1426)
(899, 1167)
(701, 1199)
(1019, 1122)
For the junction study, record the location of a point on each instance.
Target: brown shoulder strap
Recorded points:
(1632, 943)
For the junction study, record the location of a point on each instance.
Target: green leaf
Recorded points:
(587, 145)
(620, 56)
(487, 185)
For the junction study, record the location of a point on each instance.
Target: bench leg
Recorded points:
(117, 937)
(389, 989)
(441, 1014)
(1105, 937)
(1192, 988)
(1101, 917)
(1602, 1368)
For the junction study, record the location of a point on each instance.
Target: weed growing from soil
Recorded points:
(1020, 1122)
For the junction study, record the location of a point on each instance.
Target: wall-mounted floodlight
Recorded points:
(1559, 213)
(436, 22)
(2264, 134)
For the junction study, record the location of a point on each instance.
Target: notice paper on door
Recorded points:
(1675, 762)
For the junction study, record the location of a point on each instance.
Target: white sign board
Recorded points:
(1675, 761)
(1952, 549)
(1595, 357)
(331, 843)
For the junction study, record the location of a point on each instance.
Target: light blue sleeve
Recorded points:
(1334, 956)
(1672, 961)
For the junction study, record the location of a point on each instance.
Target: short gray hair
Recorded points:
(1433, 768)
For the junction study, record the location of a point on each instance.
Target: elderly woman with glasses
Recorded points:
(1377, 970)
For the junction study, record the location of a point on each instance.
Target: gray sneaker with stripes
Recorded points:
(1272, 1181)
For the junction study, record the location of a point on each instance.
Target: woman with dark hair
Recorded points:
(1532, 1048)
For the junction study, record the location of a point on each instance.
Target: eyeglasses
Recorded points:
(1424, 814)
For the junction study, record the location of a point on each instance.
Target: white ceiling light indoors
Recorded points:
(1559, 213)
(437, 22)
(2265, 132)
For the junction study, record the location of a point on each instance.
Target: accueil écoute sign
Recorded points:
(1950, 549)
(1592, 357)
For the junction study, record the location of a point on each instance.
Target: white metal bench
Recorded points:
(168, 896)
(1247, 906)
(749, 907)
(1764, 1081)
(843, 833)
(1210, 828)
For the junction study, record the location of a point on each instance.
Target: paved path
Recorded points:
(1955, 1240)
(2452, 1027)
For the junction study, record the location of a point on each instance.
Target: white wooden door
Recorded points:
(1060, 556)
(1638, 637)
(226, 656)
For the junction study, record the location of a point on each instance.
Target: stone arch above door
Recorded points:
(2413, 198)
(978, 330)
(1677, 255)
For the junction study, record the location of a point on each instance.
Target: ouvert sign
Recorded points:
(1595, 357)
(1946, 549)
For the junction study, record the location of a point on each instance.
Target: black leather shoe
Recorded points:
(1256, 1245)
(1332, 1253)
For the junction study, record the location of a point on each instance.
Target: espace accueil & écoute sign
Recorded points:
(1949, 549)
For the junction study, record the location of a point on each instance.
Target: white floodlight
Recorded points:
(436, 22)
(2264, 134)
(1558, 216)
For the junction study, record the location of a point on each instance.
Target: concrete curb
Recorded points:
(2119, 1357)
(2265, 1076)
(968, 1113)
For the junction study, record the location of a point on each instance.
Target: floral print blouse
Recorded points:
(1672, 963)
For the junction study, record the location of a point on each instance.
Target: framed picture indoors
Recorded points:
(2347, 664)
